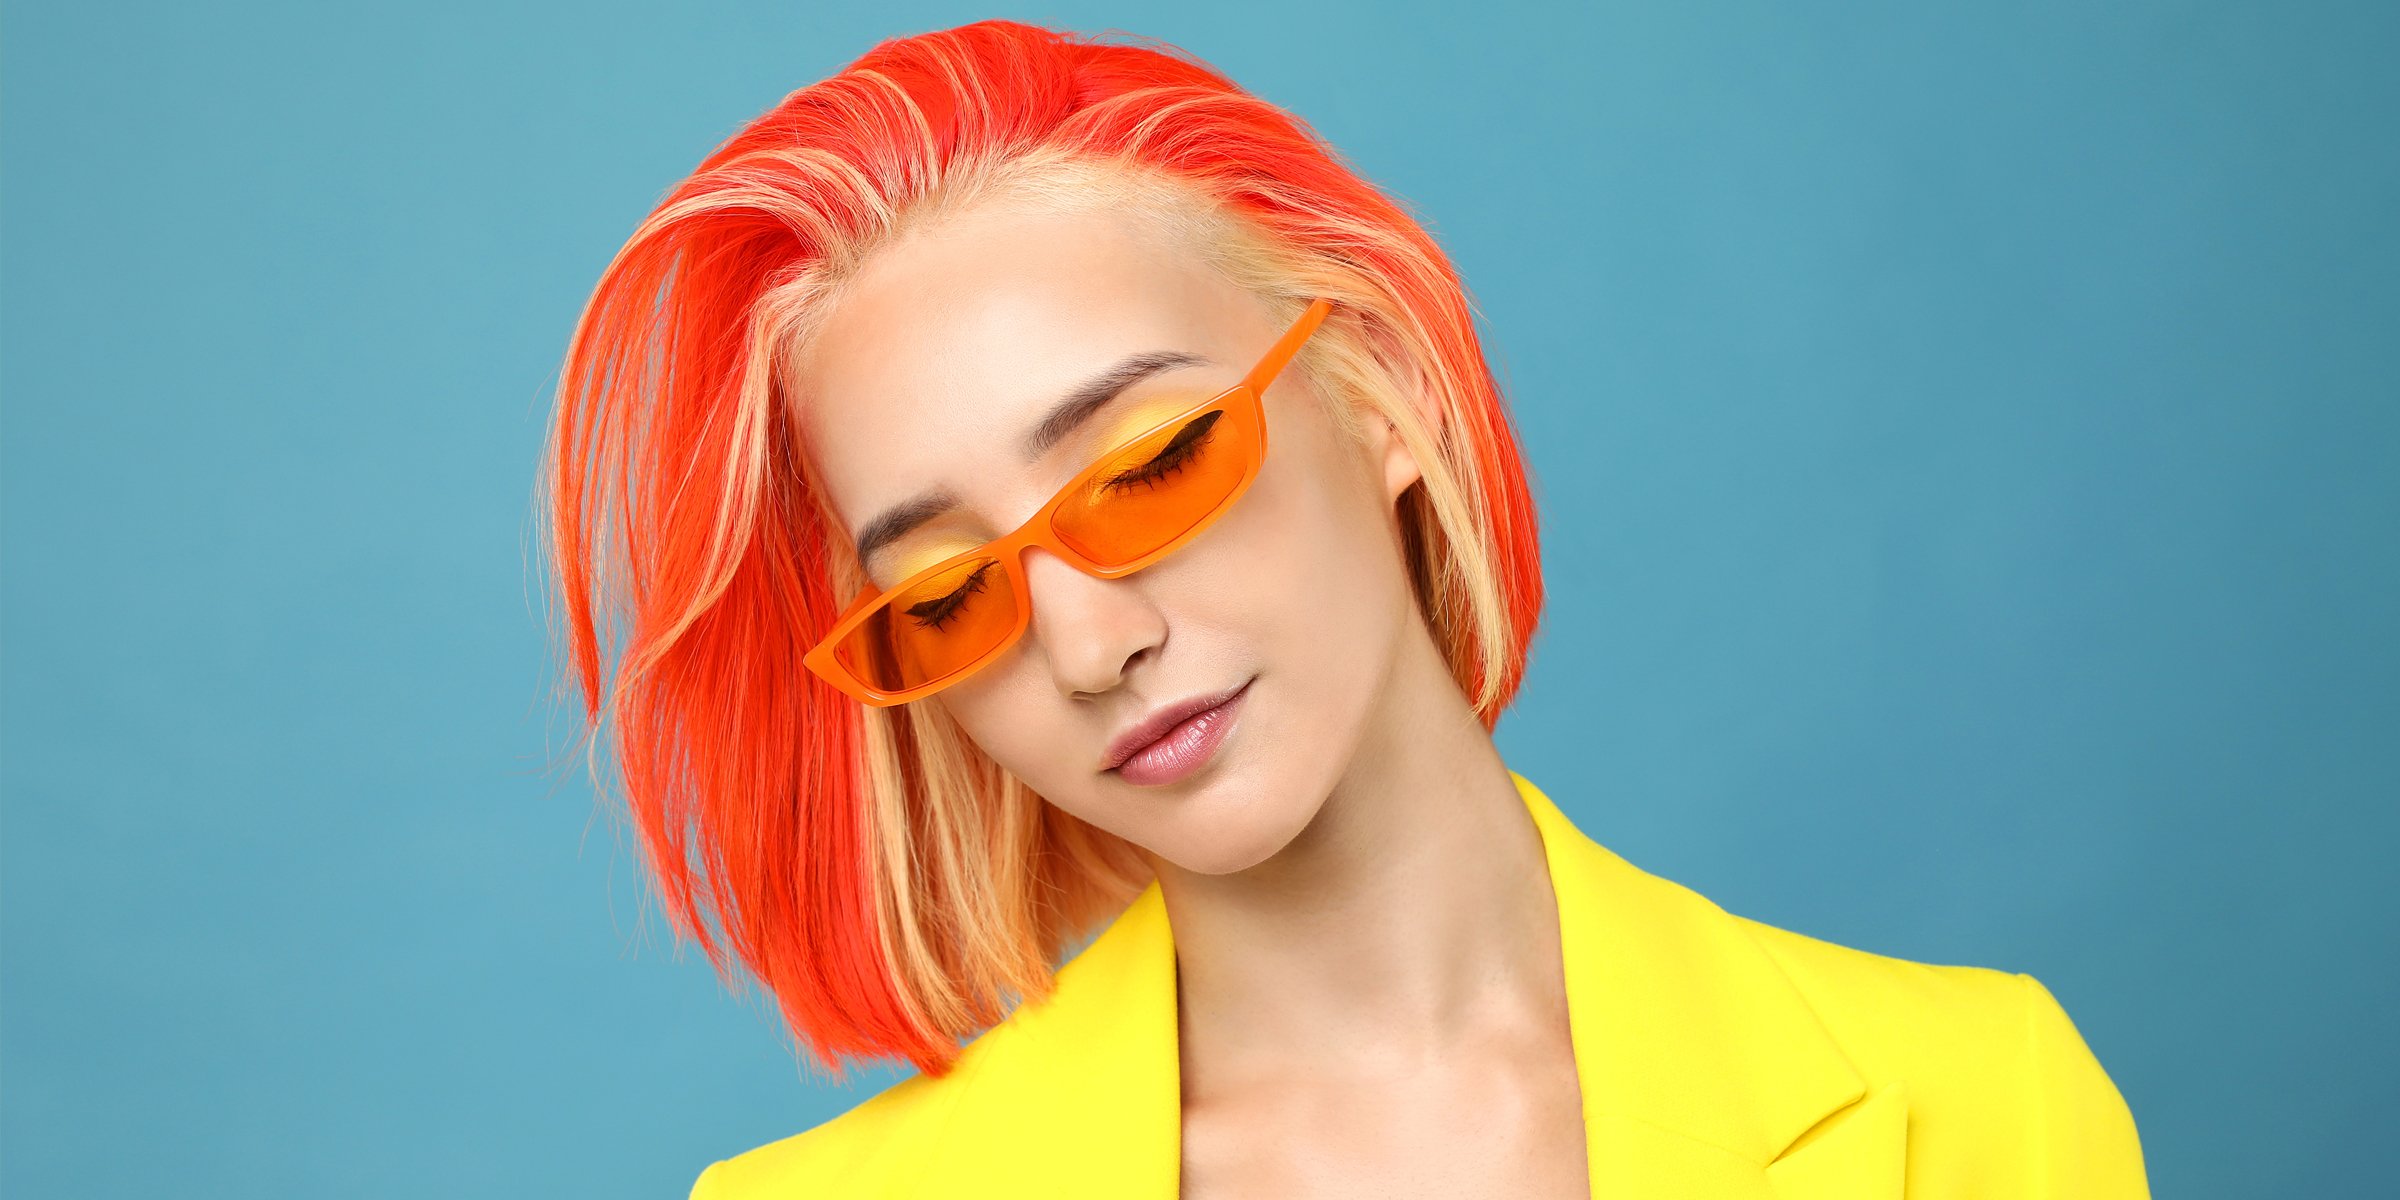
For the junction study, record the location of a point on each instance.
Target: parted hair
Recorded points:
(891, 887)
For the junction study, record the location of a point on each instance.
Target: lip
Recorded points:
(1176, 739)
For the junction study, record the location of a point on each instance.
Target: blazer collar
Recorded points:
(1702, 1067)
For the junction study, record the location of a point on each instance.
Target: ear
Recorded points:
(1387, 448)
(1400, 468)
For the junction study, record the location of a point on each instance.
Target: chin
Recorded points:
(1222, 860)
(1251, 826)
(1225, 859)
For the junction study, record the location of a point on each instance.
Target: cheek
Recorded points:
(1007, 713)
(1332, 538)
(1311, 580)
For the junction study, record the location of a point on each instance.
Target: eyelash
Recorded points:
(1171, 458)
(1186, 444)
(941, 610)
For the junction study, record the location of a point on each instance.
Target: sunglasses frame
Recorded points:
(1245, 400)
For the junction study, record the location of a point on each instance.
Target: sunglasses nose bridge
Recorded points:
(1017, 556)
(1023, 557)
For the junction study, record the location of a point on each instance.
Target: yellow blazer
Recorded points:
(1719, 1058)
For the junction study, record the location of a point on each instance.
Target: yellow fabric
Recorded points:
(1719, 1058)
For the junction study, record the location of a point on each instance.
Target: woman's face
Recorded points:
(937, 360)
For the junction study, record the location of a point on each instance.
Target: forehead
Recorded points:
(948, 345)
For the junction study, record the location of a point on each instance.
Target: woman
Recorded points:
(1042, 489)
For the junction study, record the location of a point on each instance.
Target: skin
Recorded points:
(1370, 993)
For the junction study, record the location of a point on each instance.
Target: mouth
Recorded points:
(1174, 743)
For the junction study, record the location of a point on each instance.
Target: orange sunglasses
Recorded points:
(1140, 502)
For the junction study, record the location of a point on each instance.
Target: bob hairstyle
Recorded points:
(889, 884)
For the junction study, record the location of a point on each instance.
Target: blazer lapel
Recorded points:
(1704, 1071)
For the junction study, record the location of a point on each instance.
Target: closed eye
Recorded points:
(1170, 458)
(931, 614)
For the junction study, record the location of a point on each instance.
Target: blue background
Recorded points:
(1964, 440)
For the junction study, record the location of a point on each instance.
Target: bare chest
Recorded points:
(1459, 1131)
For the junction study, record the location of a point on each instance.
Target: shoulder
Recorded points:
(1089, 1064)
(852, 1154)
(1994, 1068)
(1897, 1012)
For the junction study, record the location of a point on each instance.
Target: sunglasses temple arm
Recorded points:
(1288, 345)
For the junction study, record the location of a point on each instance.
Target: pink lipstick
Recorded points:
(1184, 747)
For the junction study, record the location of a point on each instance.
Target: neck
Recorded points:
(1413, 913)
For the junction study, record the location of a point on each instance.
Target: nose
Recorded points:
(1091, 630)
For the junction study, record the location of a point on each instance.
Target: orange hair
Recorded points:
(889, 884)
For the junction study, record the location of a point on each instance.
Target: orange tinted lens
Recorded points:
(938, 626)
(1155, 490)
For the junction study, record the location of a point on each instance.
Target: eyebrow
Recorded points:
(1063, 419)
